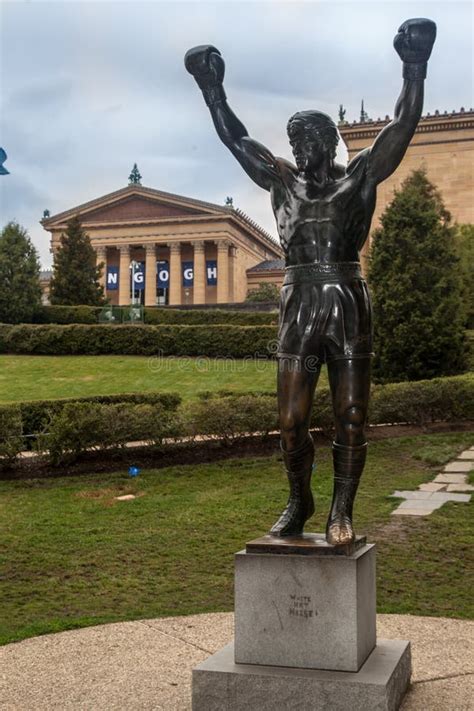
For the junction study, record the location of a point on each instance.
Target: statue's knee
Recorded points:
(352, 425)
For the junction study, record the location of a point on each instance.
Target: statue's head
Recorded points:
(313, 137)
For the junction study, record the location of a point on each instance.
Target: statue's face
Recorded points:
(307, 146)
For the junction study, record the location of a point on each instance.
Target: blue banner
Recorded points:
(112, 278)
(188, 275)
(211, 271)
(138, 276)
(163, 274)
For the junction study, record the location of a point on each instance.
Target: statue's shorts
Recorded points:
(325, 314)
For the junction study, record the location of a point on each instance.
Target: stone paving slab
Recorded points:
(460, 487)
(431, 486)
(446, 496)
(450, 479)
(419, 495)
(413, 512)
(146, 665)
(459, 467)
(467, 454)
(443, 496)
(421, 505)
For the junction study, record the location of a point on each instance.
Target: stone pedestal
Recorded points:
(308, 611)
(305, 634)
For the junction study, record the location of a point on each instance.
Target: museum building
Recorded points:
(179, 250)
(175, 250)
(443, 144)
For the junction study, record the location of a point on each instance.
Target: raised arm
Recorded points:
(207, 66)
(413, 43)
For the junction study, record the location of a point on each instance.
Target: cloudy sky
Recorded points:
(88, 88)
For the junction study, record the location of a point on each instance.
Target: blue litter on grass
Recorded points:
(134, 471)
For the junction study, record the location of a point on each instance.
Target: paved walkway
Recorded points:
(444, 487)
(146, 665)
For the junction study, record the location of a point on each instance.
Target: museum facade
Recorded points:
(174, 250)
(443, 145)
(181, 251)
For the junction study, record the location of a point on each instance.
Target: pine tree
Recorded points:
(20, 290)
(419, 317)
(76, 276)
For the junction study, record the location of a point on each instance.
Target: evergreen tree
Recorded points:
(464, 243)
(75, 273)
(20, 291)
(419, 317)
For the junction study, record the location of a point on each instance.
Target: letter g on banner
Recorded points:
(188, 275)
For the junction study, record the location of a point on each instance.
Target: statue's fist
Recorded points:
(415, 40)
(206, 65)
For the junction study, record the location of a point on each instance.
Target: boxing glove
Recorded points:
(413, 43)
(207, 67)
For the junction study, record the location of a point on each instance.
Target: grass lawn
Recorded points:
(73, 556)
(47, 377)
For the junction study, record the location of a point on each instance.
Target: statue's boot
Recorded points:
(348, 466)
(300, 506)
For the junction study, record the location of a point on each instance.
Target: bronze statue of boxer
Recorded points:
(323, 212)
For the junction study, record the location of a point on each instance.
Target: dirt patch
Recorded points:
(398, 528)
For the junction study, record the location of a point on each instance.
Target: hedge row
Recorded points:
(156, 315)
(212, 341)
(67, 314)
(211, 316)
(76, 426)
(36, 415)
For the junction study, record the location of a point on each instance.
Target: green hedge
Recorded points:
(68, 428)
(157, 315)
(68, 314)
(420, 402)
(211, 341)
(82, 426)
(11, 440)
(198, 317)
(37, 414)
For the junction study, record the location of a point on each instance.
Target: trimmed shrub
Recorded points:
(155, 316)
(208, 317)
(83, 426)
(11, 441)
(37, 414)
(211, 341)
(232, 417)
(68, 314)
(421, 402)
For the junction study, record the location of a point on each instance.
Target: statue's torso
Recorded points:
(325, 223)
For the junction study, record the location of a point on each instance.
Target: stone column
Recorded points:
(150, 275)
(101, 256)
(124, 275)
(232, 274)
(175, 274)
(199, 282)
(222, 271)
